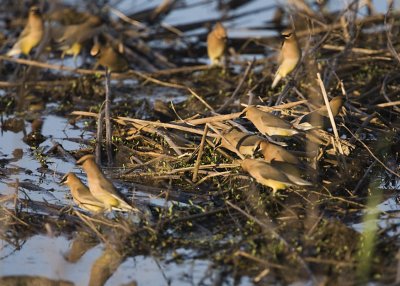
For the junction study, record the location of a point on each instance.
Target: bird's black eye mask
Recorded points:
(287, 35)
(63, 180)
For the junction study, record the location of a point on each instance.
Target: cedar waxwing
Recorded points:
(289, 56)
(109, 58)
(245, 143)
(266, 175)
(66, 15)
(272, 152)
(268, 123)
(81, 194)
(335, 104)
(270, 176)
(292, 171)
(74, 36)
(100, 187)
(31, 36)
(216, 43)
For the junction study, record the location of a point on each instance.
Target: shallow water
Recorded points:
(42, 255)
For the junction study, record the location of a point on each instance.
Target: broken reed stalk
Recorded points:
(127, 75)
(235, 115)
(212, 119)
(201, 99)
(200, 154)
(125, 18)
(107, 118)
(122, 120)
(16, 197)
(388, 104)
(86, 220)
(328, 107)
(99, 134)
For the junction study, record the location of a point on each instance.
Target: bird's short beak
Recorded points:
(63, 180)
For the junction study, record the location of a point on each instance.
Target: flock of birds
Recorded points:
(70, 39)
(101, 194)
(279, 169)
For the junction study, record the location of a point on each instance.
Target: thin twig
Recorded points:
(107, 118)
(372, 154)
(238, 88)
(99, 135)
(331, 118)
(200, 154)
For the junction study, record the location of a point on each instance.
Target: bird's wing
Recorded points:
(88, 199)
(274, 121)
(268, 172)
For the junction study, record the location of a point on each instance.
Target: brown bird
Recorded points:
(271, 176)
(73, 37)
(32, 34)
(335, 104)
(289, 56)
(216, 43)
(272, 152)
(292, 171)
(245, 143)
(81, 194)
(109, 58)
(65, 15)
(268, 123)
(100, 187)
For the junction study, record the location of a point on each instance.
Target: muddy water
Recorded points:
(45, 255)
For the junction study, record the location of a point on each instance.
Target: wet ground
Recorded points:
(39, 233)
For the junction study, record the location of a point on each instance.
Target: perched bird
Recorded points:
(216, 43)
(100, 187)
(81, 194)
(73, 37)
(266, 175)
(272, 152)
(245, 143)
(289, 56)
(292, 171)
(31, 36)
(268, 123)
(335, 104)
(109, 58)
(271, 176)
(65, 15)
